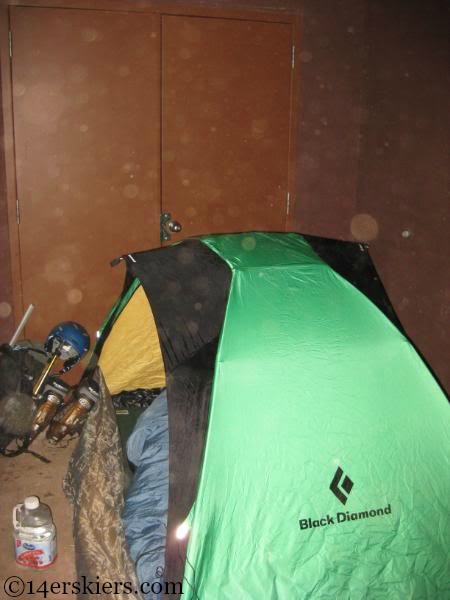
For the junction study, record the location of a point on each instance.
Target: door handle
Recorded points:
(168, 226)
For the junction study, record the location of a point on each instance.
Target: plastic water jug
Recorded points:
(34, 534)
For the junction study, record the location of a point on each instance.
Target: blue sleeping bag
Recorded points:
(146, 503)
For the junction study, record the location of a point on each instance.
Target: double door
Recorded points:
(120, 117)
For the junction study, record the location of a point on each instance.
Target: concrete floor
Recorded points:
(27, 476)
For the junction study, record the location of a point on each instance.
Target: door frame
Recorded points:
(226, 10)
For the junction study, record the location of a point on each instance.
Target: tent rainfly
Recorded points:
(309, 443)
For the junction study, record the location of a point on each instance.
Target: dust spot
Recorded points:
(46, 106)
(90, 35)
(218, 83)
(218, 219)
(193, 327)
(248, 243)
(101, 90)
(406, 233)
(259, 127)
(407, 141)
(191, 33)
(404, 302)
(324, 41)
(74, 296)
(309, 162)
(421, 123)
(234, 211)
(82, 99)
(5, 310)
(198, 306)
(124, 71)
(364, 227)
(130, 191)
(186, 182)
(306, 56)
(400, 187)
(201, 285)
(187, 76)
(199, 86)
(186, 256)
(185, 53)
(60, 270)
(83, 128)
(169, 156)
(19, 90)
(180, 121)
(53, 169)
(78, 73)
(173, 288)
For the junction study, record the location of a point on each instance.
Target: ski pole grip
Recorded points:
(21, 325)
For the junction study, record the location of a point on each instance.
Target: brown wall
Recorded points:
(374, 147)
(6, 312)
(331, 64)
(404, 169)
(373, 141)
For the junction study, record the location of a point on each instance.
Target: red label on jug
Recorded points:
(36, 555)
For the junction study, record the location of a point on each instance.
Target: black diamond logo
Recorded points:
(339, 488)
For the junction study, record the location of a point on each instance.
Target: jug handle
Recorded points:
(15, 521)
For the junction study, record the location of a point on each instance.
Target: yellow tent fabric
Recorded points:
(130, 366)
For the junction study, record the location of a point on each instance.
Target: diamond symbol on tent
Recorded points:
(341, 490)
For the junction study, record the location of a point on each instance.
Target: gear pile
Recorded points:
(34, 397)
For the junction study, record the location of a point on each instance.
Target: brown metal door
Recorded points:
(86, 95)
(226, 115)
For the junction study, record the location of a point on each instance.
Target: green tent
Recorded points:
(318, 466)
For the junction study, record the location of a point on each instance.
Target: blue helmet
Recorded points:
(70, 341)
